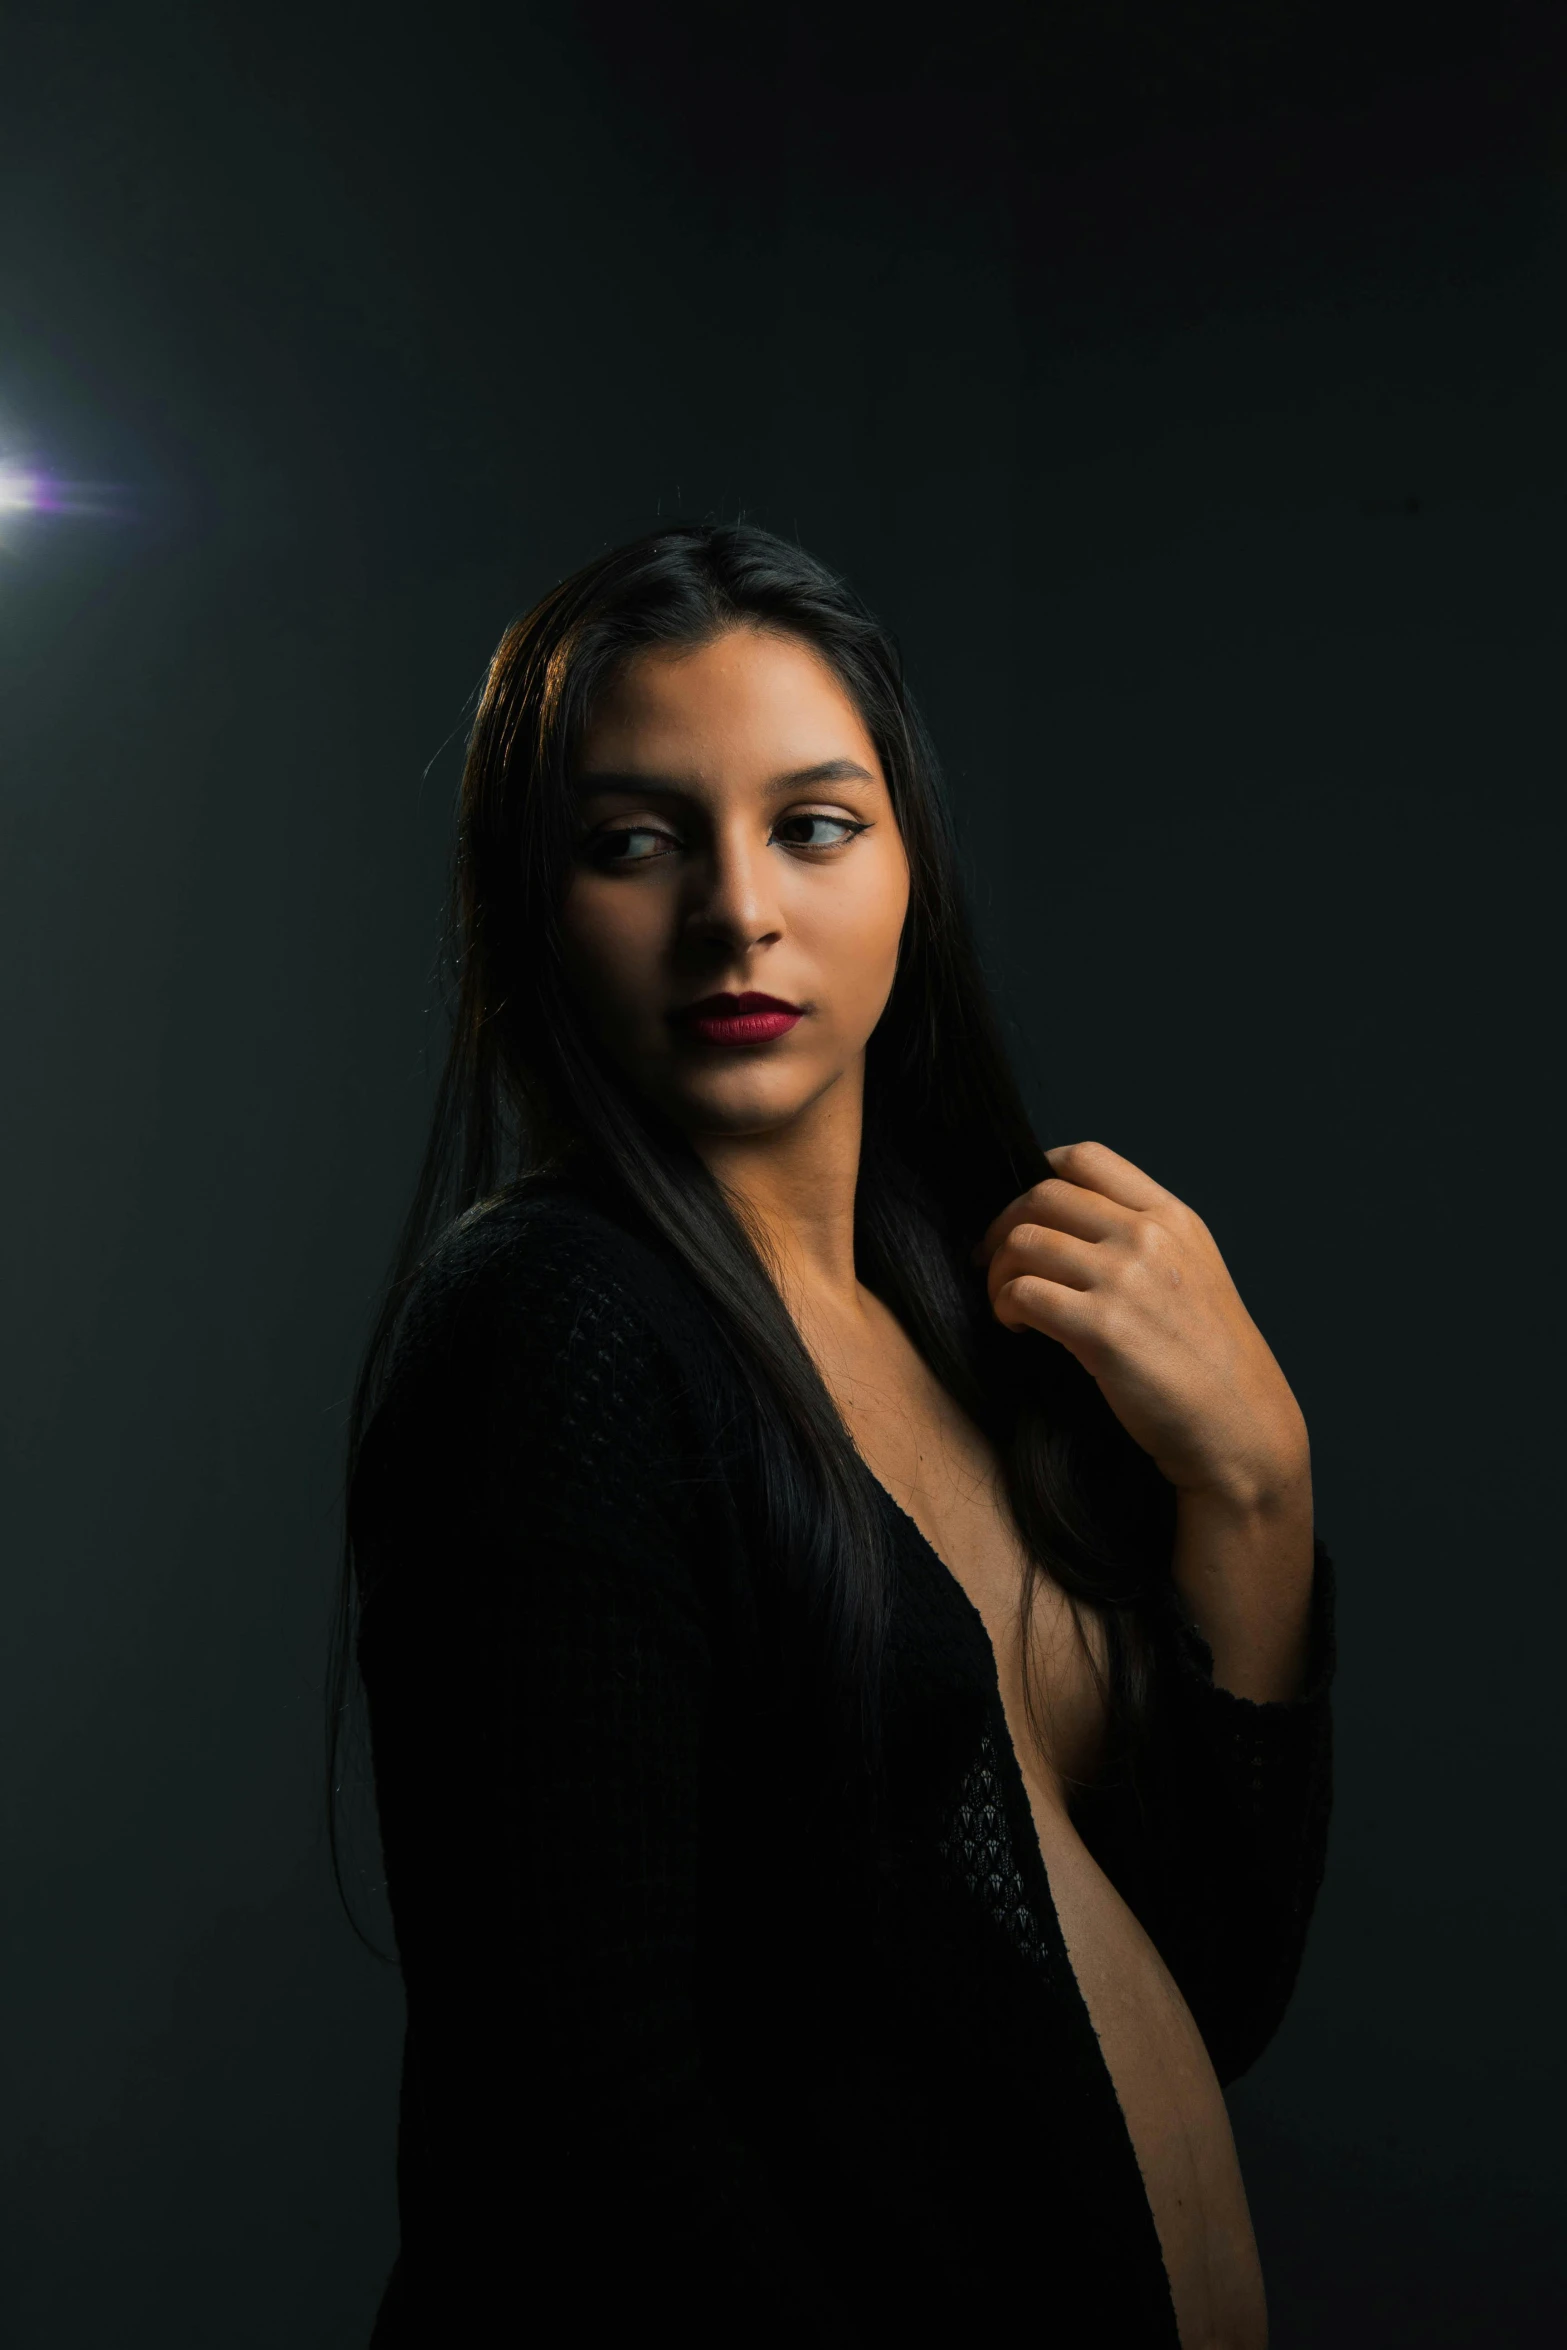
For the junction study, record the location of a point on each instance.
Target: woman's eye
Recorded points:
(646, 844)
(839, 830)
(632, 844)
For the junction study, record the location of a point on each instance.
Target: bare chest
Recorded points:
(943, 1472)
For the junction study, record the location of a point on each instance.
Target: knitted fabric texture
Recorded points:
(669, 2062)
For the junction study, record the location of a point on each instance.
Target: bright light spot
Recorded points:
(20, 493)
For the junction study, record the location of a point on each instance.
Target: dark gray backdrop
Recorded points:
(1186, 385)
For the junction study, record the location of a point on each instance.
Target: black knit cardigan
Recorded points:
(672, 2065)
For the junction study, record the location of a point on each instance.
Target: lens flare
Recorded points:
(22, 492)
(26, 489)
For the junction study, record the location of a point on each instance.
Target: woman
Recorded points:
(845, 1641)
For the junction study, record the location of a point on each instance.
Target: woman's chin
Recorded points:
(739, 1102)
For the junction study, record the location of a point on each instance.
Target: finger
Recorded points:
(1049, 1256)
(1067, 1206)
(1098, 1168)
(1028, 1303)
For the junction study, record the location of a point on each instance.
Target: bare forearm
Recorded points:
(1244, 1571)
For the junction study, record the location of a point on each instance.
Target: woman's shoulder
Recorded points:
(544, 1349)
(544, 1275)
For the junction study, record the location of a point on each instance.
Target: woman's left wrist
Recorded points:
(1264, 1494)
(1243, 1564)
(1269, 1483)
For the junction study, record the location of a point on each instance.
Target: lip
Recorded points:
(739, 1019)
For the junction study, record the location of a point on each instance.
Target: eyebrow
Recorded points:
(826, 771)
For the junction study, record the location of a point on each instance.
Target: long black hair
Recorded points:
(526, 1091)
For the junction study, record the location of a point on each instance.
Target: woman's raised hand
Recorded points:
(1130, 1281)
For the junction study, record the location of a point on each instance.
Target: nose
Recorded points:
(732, 901)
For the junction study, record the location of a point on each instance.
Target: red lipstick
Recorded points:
(739, 1019)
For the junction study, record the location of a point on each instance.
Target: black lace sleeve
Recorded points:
(1219, 1840)
(540, 1658)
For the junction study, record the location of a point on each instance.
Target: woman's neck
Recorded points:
(797, 1183)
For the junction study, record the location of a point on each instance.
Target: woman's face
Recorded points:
(737, 839)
